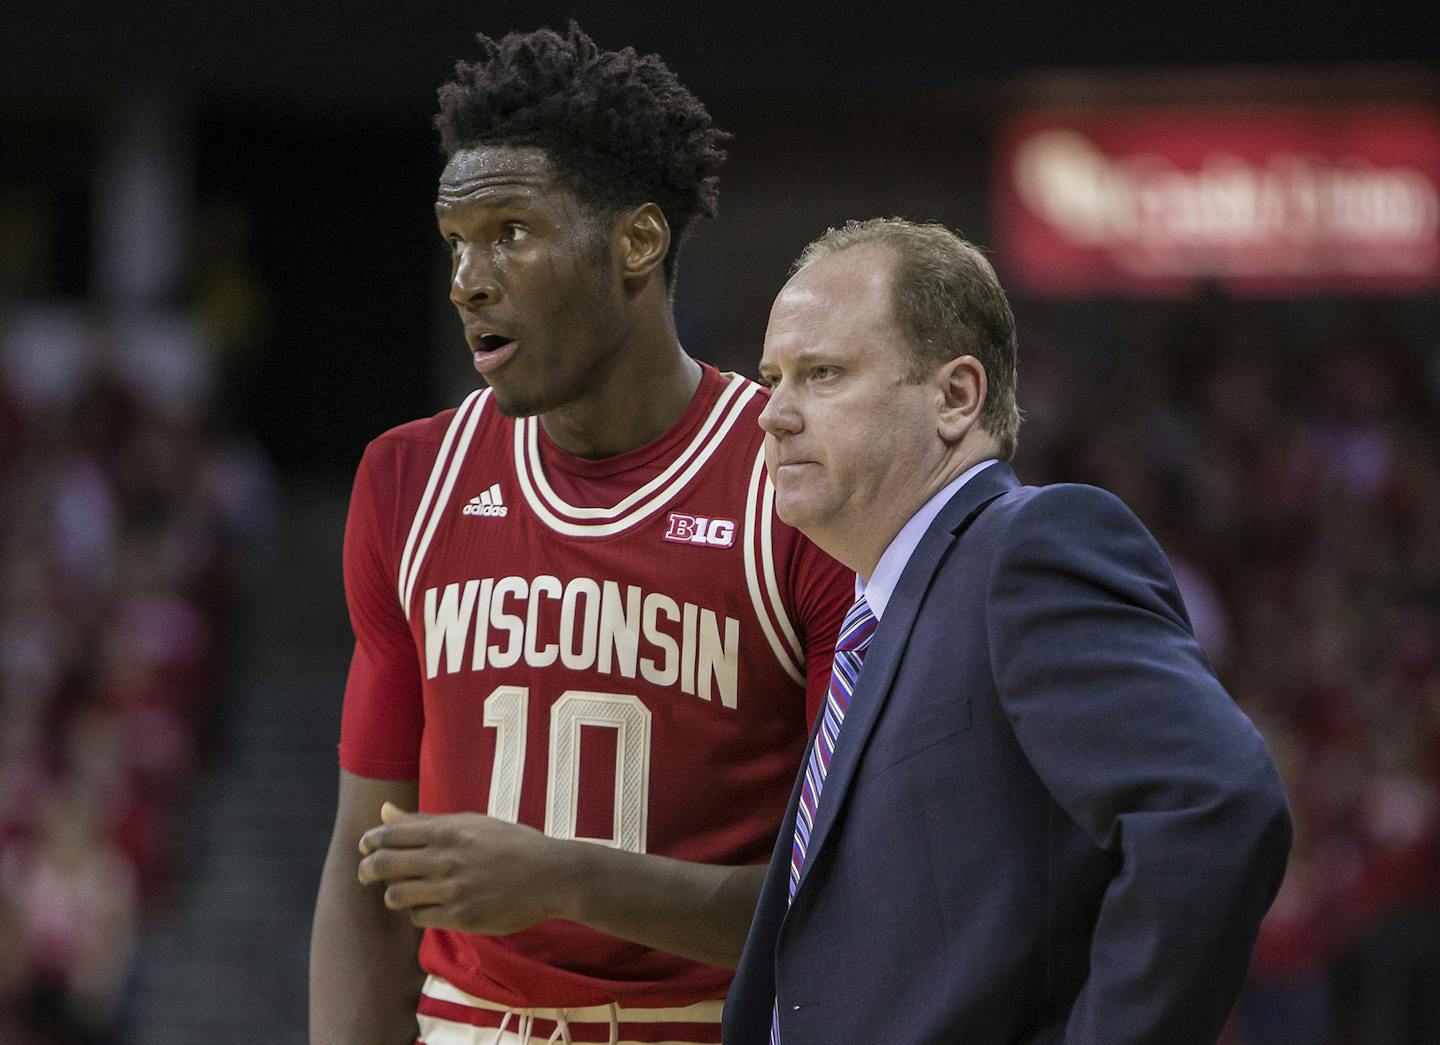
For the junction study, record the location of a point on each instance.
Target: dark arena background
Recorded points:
(219, 277)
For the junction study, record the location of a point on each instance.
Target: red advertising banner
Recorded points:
(1264, 200)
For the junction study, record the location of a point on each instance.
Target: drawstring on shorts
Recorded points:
(561, 1033)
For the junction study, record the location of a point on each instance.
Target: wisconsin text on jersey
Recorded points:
(604, 625)
(600, 629)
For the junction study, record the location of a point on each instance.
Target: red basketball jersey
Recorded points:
(612, 650)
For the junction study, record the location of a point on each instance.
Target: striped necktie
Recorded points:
(850, 649)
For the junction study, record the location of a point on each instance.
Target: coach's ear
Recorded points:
(960, 387)
(644, 240)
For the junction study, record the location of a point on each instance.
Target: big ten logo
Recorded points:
(696, 529)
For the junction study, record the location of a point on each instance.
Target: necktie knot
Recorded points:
(856, 631)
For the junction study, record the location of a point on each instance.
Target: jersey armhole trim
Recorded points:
(427, 515)
(769, 607)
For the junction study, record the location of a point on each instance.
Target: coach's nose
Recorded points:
(780, 417)
(472, 278)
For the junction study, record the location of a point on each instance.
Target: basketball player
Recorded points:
(586, 649)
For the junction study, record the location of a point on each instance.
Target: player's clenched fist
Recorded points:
(468, 871)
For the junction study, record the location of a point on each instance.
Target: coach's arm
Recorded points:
(1117, 710)
(364, 977)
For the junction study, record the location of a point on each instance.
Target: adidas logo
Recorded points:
(488, 503)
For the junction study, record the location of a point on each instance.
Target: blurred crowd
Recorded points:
(129, 516)
(1291, 470)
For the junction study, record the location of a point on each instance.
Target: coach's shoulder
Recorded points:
(1067, 515)
(1067, 503)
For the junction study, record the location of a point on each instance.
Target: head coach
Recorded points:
(1029, 813)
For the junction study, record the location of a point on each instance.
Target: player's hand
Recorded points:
(465, 871)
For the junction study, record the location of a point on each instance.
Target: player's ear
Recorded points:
(644, 241)
(961, 388)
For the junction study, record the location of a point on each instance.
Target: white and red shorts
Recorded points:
(449, 1016)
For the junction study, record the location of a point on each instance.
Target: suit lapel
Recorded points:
(886, 648)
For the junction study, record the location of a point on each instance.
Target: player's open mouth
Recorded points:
(491, 351)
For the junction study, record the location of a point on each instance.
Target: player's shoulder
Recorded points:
(398, 462)
(425, 431)
(425, 435)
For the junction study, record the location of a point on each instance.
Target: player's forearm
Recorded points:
(698, 911)
(364, 979)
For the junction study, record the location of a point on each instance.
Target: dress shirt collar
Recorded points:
(881, 585)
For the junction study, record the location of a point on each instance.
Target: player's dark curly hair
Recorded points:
(618, 128)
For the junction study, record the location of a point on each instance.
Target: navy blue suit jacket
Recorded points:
(1044, 821)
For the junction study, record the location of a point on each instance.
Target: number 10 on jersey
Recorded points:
(507, 711)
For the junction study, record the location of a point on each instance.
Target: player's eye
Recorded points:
(513, 232)
(823, 372)
(453, 244)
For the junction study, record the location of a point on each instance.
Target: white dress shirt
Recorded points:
(881, 585)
